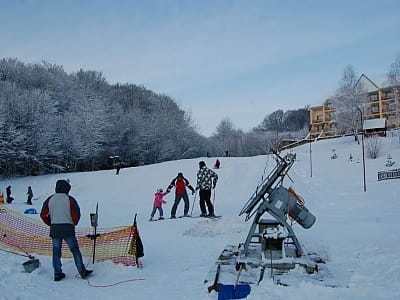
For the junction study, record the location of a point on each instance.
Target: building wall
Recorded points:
(383, 103)
(322, 121)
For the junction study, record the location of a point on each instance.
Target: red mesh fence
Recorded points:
(20, 233)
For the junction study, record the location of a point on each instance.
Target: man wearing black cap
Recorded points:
(61, 212)
(180, 183)
(206, 180)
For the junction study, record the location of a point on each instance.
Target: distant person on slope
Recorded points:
(30, 195)
(217, 164)
(206, 180)
(180, 183)
(157, 204)
(9, 199)
(61, 212)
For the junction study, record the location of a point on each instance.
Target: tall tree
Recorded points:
(394, 79)
(350, 97)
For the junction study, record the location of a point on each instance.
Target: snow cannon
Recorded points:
(271, 242)
(279, 202)
(288, 202)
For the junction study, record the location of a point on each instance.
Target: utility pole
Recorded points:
(362, 142)
(309, 136)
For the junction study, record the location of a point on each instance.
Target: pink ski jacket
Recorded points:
(158, 199)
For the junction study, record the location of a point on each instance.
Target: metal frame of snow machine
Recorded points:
(271, 242)
(279, 202)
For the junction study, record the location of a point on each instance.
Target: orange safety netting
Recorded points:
(23, 234)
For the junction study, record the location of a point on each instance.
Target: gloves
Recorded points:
(193, 192)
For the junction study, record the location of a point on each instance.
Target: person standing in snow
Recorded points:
(217, 164)
(118, 167)
(62, 213)
(180, 183)
(206, 180)
(30, 195)
(157, 204)
(9, 199)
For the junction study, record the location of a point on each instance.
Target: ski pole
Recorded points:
(214, 198)
(194, 200)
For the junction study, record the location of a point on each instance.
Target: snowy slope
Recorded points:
(356, 231)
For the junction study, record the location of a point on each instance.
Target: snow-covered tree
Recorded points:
(349, 99)
(394, 79)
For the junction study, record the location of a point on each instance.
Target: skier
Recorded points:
(217, 164)
(30, 196)
(9, 199)
(118, 167)
(157, 204)
(61, 212)
(206, 180)
(180, 183)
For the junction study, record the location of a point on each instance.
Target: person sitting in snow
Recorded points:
(180, 183)
(157, 204)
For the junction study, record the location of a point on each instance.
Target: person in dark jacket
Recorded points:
(9, 199)
(62, 213)
(30, 195)
(180, 183)
(206, 180)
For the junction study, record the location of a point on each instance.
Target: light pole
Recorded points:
(362, 142)
(309, 136)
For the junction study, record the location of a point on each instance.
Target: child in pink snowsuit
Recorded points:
(157, 204)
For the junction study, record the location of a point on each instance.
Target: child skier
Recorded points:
(157, 204)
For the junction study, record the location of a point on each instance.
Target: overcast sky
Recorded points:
(240, 60)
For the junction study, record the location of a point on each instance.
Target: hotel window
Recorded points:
(374, 97)
(391, 107)
(389, 94)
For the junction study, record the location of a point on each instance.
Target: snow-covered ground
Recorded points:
(357, 231)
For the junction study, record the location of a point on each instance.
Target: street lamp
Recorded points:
(362, 142)
(309, 136)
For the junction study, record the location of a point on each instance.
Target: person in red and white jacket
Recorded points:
(180, 183)
(62, 213)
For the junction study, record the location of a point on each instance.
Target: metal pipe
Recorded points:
(363, 151)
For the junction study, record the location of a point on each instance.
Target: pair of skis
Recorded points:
(180, 217)
(206, 216)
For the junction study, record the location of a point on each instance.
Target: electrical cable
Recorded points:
(107, 285)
